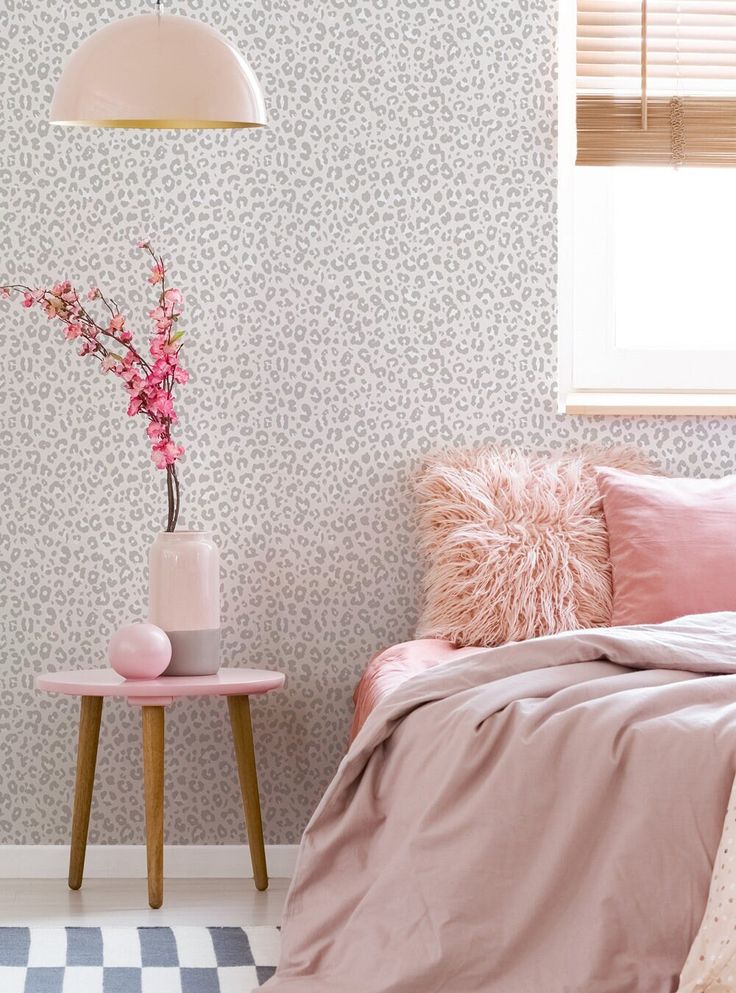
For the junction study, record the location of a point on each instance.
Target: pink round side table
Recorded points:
(152, 696)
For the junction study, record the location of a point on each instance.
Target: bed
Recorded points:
(546, 813)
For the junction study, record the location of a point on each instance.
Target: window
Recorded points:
(648, 204)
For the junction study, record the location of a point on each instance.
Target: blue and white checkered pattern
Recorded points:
(137, 960)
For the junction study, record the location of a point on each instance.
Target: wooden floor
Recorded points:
(124, 903)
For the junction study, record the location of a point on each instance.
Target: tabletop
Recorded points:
(106, 682)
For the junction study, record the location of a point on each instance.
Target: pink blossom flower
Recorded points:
(93, 293)
(133, 384)
(4, 293)
(116, 328)
(72, 331)
(110, 364)
(134, 406)
(144, 244)
(167, 312)
(161, 348)
(181, 375)
(130, 359)
(160, 401)
(158, 271)
(173, 302)
(159, 372)
(164, 321)
(165, 453)
(64, 291)
(87, 347)
(132, 379)
(28, 300)
(155, 430)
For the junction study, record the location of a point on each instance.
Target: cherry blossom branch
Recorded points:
(149, 383)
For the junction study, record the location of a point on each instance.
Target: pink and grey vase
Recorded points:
(184, 599)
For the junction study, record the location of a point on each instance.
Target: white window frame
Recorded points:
(594, 375)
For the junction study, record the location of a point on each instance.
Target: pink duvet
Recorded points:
(537, 818)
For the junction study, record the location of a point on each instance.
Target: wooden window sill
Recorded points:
(674, 404)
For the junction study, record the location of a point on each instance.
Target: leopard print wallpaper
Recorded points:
(370, 278)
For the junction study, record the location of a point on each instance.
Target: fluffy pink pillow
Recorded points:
(673, 545)
(516, 544)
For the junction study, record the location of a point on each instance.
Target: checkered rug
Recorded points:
(137, 960)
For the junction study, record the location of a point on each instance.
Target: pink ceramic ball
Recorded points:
(139, 651)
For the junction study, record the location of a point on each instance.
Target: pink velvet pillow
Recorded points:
(515, 544)
(673, 545)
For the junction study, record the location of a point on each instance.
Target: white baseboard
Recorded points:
(129, 861)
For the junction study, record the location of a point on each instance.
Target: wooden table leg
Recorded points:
(242, 728)
(153, 777)
(89, 736)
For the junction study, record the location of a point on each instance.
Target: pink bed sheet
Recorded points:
(391, 667)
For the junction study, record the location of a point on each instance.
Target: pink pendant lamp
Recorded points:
(158, 71)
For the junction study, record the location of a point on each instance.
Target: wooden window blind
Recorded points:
(656, 82)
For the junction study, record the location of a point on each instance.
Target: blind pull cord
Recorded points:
(677, 107)
(644, 107)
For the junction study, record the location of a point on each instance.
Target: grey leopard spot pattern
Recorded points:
(370, 278)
